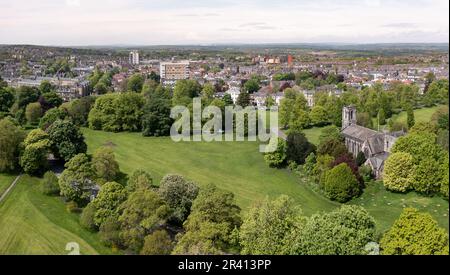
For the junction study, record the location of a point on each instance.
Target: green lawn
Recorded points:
(420, 115)
(240, 168)
(313, 134)
(32, 223)
(234, 166)
(5, 182)
(386, 206)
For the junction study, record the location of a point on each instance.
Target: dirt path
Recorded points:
(9, 188)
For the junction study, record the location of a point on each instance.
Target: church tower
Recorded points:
(348, 116)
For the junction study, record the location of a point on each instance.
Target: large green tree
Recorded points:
(415, 233)
(105, 165)
(210, 226)
(66, 139)
(340, 183)
(266, 226)
(111, 195)
(11, 138)
(398, 172)
(179, 194)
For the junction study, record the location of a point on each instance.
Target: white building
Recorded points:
(134, 57)
(234, 92)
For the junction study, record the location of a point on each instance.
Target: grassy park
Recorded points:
(5, 181)
(239, 167)
(39, 224)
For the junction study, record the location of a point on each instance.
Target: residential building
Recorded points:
(170, 72)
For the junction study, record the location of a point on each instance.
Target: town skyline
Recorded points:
(174, 22)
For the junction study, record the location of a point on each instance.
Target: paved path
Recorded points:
(10, 188)
(279, 133)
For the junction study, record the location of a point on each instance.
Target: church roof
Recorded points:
(359, 132)
(377, 161)
(376, 143)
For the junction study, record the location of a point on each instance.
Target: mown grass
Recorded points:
(239, 167)
(32, 223)
(5, 181)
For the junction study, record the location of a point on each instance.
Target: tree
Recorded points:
(208, 92)
(278, 157)
(79, 110)
(11, 138)
(6, 100)
(415, 233)
(410, 116)
(426, 157)
(46, 87)
(49, 185)
(100, 88)
(76, 180)
(142, 213)
(110, 233)
(157, 243)
(50, 117)
(333, 147)
(423, 127)
(227, 100)
(243, 99)
(310, 162)
(344, 231)
(156, 120)
(105, 165)
(445, 178)
(348, 159)
(26, 95)
(33, 113)
(381, 117)
(140, 179)
(34, 158)
(298, 147)
(210, 226)
(117, 112)
(365, 120)
(179, 195)
(398, 172)
(300, 120)
(330, 132)
(184, 91)
(319, 116)
(87, 217)
(251, 86)
(111, 195)
(340, 184)
(50, 100)
(135, 83)
(265, 227)
(66, 139)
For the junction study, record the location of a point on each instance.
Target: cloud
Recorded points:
(399, 25)
(80, 22)
(73, 3)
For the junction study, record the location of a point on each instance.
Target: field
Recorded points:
(32, 223)
(313, 134)
(234, 166)
(5, 181)
(420, 115)
(239, 167)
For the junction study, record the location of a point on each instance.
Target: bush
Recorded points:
(50, 184)
(298, 147)
(333, 147)
(157, 243)
(360, 159)
(278, 157)
(87, 217)
(340, 184)
(109, 232)
(366, 173)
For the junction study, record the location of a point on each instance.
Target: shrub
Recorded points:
(87, 217)
(50, 184)
(157, 243)
(340, 183)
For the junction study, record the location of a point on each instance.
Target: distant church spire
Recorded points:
(348, 116)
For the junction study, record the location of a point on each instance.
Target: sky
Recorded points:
(178, 22)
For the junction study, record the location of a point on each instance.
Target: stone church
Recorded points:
(375, 145)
